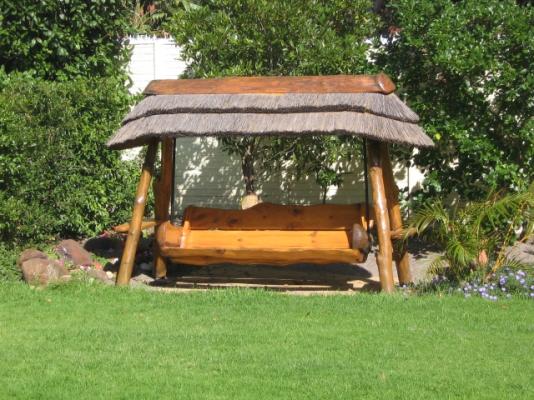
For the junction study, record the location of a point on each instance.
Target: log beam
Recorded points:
(385, 248)
(400, 254)
(162, 199)
(134, 233)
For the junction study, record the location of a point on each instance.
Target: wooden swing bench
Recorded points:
(359, 105)
(267, 234)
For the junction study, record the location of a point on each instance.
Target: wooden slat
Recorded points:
(268, 216)
(124, 228)
(261, 256)
(268, 239)
(274, 85)
(172, 236)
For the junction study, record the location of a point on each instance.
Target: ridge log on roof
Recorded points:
(361, 105)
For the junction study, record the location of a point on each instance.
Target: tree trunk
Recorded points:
(247, 165)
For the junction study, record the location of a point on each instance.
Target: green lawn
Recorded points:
(95, 342)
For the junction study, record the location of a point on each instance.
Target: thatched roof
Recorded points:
(291, 106)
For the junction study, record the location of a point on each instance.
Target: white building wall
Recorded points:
(205, 175)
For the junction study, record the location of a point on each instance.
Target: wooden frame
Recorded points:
(387, 214)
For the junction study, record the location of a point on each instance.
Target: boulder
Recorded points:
(29, 254)
(71, 250)
(100, 275)
(250, 200)
(40, 271)
(105, 246)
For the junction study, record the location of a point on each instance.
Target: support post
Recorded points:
(162, 199)
(385, 248)
(132, 240)
(400, 255)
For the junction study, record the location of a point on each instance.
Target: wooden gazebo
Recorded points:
(363, 105)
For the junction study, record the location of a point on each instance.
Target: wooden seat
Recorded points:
(267, 234)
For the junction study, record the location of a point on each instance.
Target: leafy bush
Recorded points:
(474, 235)
(62, 39)
(465, 68)
(8, 263)
(57, 178)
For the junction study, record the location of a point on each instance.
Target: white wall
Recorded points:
(205, 175)
(153, 58)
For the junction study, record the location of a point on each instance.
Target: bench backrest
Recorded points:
(268, 216)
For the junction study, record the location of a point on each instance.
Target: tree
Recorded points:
(465, 68)
(275, 37)
(64, 39)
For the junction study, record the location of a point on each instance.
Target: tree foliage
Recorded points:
(466, 68)
(265, 37)
(61, 39)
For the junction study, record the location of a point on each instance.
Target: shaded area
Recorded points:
(297, 277)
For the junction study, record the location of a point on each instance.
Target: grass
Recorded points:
(88, 341)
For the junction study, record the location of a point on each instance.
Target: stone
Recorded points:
(28, 254)
(523, 252)
(71, 250)
(104, 246)
(250, 200)
(146, 266)
(142, 278)
(99, 275)
(40, 271)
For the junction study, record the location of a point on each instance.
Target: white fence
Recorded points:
(205, 175)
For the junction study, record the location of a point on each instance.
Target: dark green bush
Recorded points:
(8, 263)
(62, 39)
(57, 178)
(466, 69)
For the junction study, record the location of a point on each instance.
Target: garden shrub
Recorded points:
(465, 68)
(57, 178)
(63, 39)
(8, 263)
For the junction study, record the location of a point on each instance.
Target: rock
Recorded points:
(523, 252)
(100, 275)
(249, 200)
(42, 271)
(71, 250)
(142, 278)
(29, 254)
(146, 267)
(104, 246)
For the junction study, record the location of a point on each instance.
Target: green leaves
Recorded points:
(60, 40)
(464, 68)
(468, 230)
(57, 178)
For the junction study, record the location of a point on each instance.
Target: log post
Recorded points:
(400, 255)
(132, 240)
(385, 248)
(162, 199)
